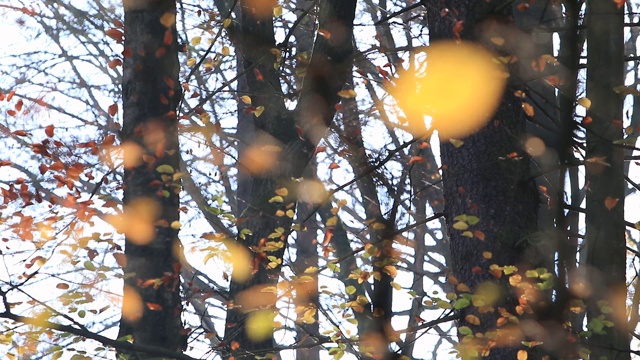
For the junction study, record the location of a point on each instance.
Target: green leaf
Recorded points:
(89, 266)
(350, 289)
(165, 169)
(465, 330)
(472, 220)
(510, 269)
(461, 304)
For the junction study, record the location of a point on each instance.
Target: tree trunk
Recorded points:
(605, 244)
(151, 92)
(480, 179)
(291, 138)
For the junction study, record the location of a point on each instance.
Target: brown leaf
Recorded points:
(610, 202)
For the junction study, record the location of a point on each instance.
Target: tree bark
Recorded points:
(605, 243)
(293, 135)
(480, 179)
(151, 92)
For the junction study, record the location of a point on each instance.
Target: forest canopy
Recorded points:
(319, 179)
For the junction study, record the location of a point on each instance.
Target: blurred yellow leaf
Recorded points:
(191, 62)
(523, 355)
(459, 87)
(168, 19)
(196, 40)
(259, 325)
(258, 111)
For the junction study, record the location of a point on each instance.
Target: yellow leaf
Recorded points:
(472, 319)
(497, 40)
(196, 40)
(390, 270)
(259, 325)
(279, 213)
(332, 221)
(191, 62)
(446, 89)
(467, 233)
(350, 93)
(455, 142)
(176, 225)
(168, 19)
(378, 226)
(258, 111)
(460, 225)
(290, 213)
(278, 199)
(585, 102)
(245, 99)
(226, 23)
(487, 255)
(277, 11)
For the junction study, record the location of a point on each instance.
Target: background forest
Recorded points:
(316, 179)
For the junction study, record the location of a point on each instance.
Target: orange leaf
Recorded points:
(258, 75)
(114, 63)
(49, 130)
(415, 159)
(528, 109)
(324, 33)
(115, 34)
(20, 133)
(619, 4)
(11, 112)
(327, 238)
(154, 306)
(479, 234)
(113, 109)
(610, 202)
(522, 355)
(168, 37)
(10, 95)
(587, 120)
(333, 166)
(19, 105)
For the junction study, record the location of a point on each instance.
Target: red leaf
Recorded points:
(20, 132)
(115, 63)
(11, 112)
(43, 169)
(113, 109)
(115, 34)
(168, 37)
(154, 306)
(457, 29)
(10, 96)
(49, 130)
(258, 74)
(19, 105)
(415, 159)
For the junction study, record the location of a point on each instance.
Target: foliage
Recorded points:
(358, 263)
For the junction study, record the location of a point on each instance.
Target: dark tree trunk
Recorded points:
(605, 243)
(151, 92)
(480, 179)
(293, 136)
